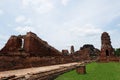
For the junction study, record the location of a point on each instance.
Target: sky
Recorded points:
(61, 23)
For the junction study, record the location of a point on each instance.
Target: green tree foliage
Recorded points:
(117, 52)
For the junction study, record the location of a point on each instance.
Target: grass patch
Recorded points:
(95, 71)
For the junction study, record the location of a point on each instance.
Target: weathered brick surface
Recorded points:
(81, 69)
(72, 49)
(65, 52)
(37, 47)
(13, 45)
(32, 52)
(92, 50)
(82, 55)
(32, 45)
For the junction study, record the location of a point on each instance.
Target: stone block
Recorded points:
(81, 69)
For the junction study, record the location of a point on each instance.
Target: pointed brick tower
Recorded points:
(72, 49)
(106, 47)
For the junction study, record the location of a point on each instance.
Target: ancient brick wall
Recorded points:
(37, 47)
(65, 52)
(13, 45)
(32, 45)
(35, 52)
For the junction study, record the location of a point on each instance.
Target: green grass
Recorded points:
(95, 71)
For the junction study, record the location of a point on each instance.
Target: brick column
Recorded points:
(81, 69)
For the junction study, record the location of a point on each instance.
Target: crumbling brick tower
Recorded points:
(106, 47)
(72, 49)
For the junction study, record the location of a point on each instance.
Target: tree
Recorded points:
(117, 52)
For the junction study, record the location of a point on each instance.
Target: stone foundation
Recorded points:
(109, 59)
(81, 69)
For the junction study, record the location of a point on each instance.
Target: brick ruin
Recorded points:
(107, 51)
(87, 52)
(72, 49)
(81, 69)
(28, 50)
(24, 51)
(65, 52)
(13, 45)
(92, 50)
(29, 44)
(106, 47)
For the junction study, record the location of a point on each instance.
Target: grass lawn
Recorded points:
(95, 71)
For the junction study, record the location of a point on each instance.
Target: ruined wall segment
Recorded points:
(29, 44)
(92, 50)
(65, 52)
(24, 51)
(37, 47)
(12, 45)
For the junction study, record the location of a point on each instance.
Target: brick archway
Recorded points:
(107, 53)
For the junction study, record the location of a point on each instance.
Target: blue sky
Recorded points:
(61, 23)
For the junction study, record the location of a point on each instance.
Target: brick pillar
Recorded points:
(81, 69)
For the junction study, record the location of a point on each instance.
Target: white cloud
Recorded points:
(65, 2)
(1, 12)
(23, 20)
(25, 2)
(3, 40)
(3, 37)
(40, 6)
(20, 19)
(24, 29)
(86, 30)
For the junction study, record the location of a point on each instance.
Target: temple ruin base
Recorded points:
(109, 59)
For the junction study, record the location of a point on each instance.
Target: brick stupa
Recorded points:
(107, 51)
